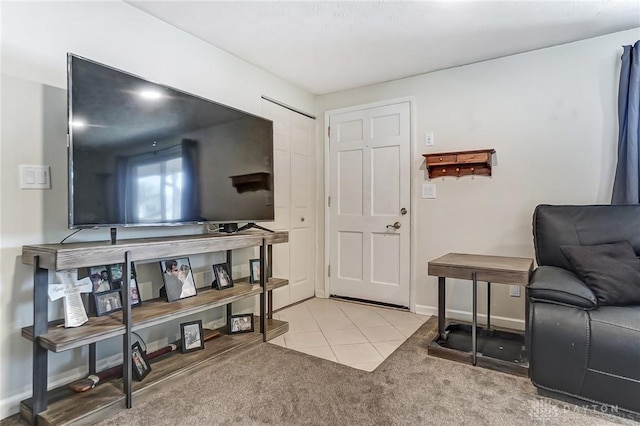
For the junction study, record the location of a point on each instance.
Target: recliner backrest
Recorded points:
(555, 226)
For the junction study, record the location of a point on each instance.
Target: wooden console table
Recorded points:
(452, 341)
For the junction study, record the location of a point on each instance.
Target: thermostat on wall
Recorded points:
(428, 190)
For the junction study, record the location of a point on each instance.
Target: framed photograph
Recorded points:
(191, 336)
(178, 279)
(134, 293)
(140, 365)
(100, 278)
(222, 275)
(242, 323)
(115, 273)
(107, 302)
(254, 271)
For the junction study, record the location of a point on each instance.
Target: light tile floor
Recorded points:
(360, 336)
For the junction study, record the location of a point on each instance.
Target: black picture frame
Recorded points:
(135, 298)
(100, 278)
(178, 280)
(222, 276)
(116, 271)
(107, 302)
(191, 336)
(254, 271)
(241, 323)
(139, 362)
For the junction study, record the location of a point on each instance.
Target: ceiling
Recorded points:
(327, 46)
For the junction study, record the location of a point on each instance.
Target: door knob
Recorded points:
(302, 219)
(395, 225)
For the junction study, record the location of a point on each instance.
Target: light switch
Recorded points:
(35, 177)
(428, 139)
(428, 190)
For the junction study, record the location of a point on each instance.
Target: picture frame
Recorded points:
(241, 323)
(178, 279)
(140, 364)
(107, 302)
(222, 276)
(100, 278)
(116, 270)
(191, 336)
(115, 273)
(254, 271)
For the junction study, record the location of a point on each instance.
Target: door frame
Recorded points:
(414, 165)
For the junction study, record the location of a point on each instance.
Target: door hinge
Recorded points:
(329, 131)
(329, 200)
(329, 271)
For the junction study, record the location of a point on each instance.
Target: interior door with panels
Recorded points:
(302, 232)
(369, 154)
(294, 170)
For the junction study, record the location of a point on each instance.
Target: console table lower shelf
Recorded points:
(498, 349)
(106, 399)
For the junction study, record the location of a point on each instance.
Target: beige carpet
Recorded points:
(268, 384)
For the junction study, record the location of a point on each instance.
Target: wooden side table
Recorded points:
(492, 269)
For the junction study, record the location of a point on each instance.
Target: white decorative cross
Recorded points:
(70, 288)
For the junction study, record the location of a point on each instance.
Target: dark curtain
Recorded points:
(190, 187)
(626, 186)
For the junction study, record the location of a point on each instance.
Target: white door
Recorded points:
(302, 229)
(369, 155)
(294, 172)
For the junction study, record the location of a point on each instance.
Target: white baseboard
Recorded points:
(513, 323)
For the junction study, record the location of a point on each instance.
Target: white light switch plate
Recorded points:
(428, 139)
(428, 190)
(514, 290)
(35, 177)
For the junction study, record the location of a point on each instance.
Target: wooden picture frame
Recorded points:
(140, 364)
(222, 276)
(241, 323)
(191, 336)
(178, 279)
(107, 302)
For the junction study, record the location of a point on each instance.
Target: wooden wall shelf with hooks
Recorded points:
(459, 163)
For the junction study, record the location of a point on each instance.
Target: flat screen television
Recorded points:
(145, 154)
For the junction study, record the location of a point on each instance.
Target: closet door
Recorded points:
(294, 172)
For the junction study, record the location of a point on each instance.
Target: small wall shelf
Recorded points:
(250, 182)
(459, 163)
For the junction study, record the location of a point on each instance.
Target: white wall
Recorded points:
(35, 39)
(550, 114)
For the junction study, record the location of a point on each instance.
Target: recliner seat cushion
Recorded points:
(612, 271)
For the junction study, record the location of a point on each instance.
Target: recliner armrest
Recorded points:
(556, 285)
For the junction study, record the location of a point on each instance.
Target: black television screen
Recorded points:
(142, 153)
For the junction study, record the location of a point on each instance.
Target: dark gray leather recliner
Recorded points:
(577, 348)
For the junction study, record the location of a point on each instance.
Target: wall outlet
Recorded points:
(514, 290)
(428, 190)
(428, 139)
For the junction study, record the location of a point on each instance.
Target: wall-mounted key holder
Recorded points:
(459, 163)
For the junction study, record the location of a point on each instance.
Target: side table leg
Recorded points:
(441, 308)
(474, 325)
(488, 306)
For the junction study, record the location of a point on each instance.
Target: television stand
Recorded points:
(253, 225)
